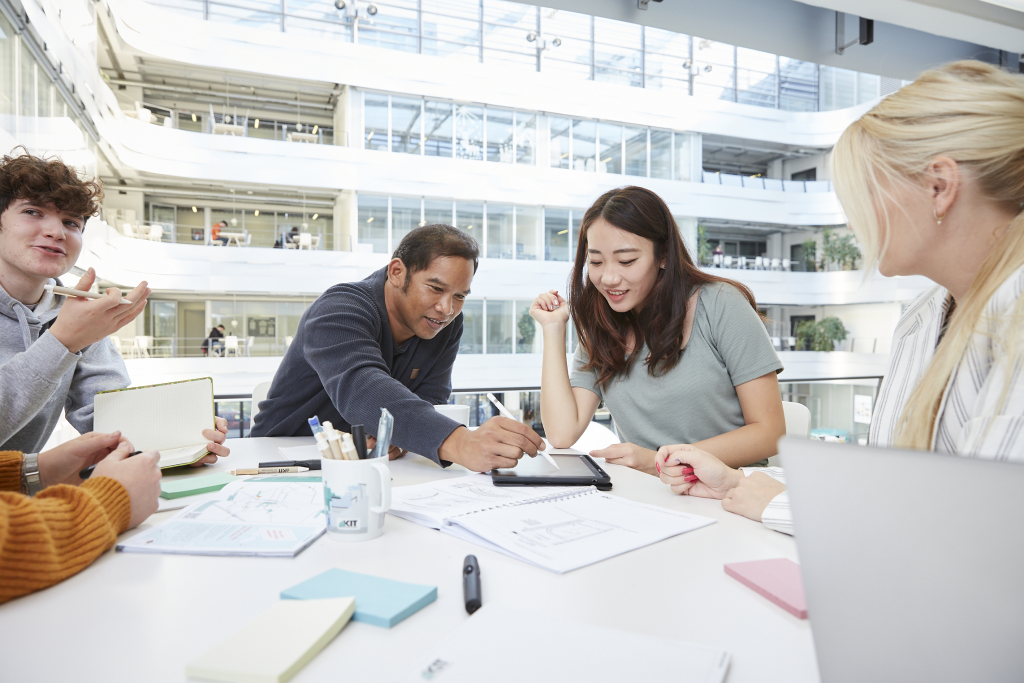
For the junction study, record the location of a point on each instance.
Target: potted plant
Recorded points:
(703, 247)
(840, 250)
(820, 335)
(810, 246)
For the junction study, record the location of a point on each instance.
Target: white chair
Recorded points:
(595, 437)
(776, 264)
(116, 341)
(716, 259)
(248, 239)
(231, 345)
(128, 230)
(758, 263)
(288, 341)
(305, 241)
(259, 393)
(155, 233)
(789, 343)
(798, 423)
(787, 264)
(249, 344)
(743, 262)
(141, 346)
(777, 343)
(727, 261)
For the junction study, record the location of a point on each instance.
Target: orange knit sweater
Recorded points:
(59, 532)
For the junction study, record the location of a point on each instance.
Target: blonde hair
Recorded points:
(973, 113)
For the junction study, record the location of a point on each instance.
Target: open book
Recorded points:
(559, 529)
(169, 418)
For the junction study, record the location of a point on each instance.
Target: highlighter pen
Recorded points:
(87, 472)
(314, 424)
(271, 470)
(471, 584)
(359, 439)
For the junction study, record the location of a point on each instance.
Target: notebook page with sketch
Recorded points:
(167, 417)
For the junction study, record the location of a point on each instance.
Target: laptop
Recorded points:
(913, 563)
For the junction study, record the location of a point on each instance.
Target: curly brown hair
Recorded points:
(46, 182)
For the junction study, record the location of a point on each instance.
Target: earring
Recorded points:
(938, 218)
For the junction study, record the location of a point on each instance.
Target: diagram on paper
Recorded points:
(459, 495)
(551, 535)
(264, 502)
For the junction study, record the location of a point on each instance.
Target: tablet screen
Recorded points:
(568, 466)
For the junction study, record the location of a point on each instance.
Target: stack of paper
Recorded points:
(381, 602)
(260, 516)
(553, 650)
(560, 529)
(276, 645)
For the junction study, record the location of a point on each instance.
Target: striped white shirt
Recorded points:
(975, 419)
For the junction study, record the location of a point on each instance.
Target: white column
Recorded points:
(207, 223)
(343, 115)
(688, 231)
(346, 215)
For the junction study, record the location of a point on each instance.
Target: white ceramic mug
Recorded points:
(456, 412)
(357, 494)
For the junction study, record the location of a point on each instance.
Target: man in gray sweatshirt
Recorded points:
(54, 350)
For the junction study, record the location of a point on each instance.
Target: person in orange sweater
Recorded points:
(48, 537)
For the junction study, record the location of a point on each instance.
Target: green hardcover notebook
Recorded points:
(193, 486)
(169, 418)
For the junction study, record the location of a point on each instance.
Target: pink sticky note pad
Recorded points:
(778, 580)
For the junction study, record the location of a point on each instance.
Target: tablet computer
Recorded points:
(574, 469)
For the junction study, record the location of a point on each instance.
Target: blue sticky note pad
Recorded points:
(381, 602)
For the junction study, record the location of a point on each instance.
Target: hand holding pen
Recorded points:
(691, 471)
(83, 321)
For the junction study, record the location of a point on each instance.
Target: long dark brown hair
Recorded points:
(605, 334)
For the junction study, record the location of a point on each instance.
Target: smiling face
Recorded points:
(431, 298)
(38, 242)
(621, 265)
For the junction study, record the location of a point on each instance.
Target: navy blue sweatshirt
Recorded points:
(344, 366)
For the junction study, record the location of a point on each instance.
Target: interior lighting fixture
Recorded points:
(372, 10)
(562, 232)
(195, 210)
(422, 223)
(298, 127)
(605, 161)
(469, 227)
(707, 69)
(316, 128)
(256, 212)
(257, 123)
(557, 42)
(370, 136)
(315, 216)
(370, 219)
(193, 118)
(531, 36)
(339, 4)
(687, 63)
(565, 155)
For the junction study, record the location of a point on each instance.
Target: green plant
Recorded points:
(820, 335)
(841, 250)
(810, 246)
(703, 246)
(527, 331)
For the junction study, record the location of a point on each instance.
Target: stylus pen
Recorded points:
(504, 413)
(471, 584)
(67, 291)
(87, 472)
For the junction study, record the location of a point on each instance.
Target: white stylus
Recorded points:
(67, 291)
(504, 413)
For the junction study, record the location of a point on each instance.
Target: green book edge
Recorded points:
(177, 489)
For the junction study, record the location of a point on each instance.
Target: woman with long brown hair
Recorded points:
(677, 355)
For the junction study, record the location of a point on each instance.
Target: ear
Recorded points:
(396, 273)
(944, 182)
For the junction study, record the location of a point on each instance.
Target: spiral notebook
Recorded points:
(557, 529)
(169, 418)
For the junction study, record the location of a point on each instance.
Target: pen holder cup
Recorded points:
(357, 494)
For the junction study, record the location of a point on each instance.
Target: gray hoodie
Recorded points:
(39, 377)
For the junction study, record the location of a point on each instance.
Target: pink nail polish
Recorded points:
(690, 478)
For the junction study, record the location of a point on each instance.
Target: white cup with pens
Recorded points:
(357, 486)
(459, 413)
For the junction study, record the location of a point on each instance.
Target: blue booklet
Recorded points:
(381, 602)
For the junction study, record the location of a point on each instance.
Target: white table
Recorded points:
(135, 617)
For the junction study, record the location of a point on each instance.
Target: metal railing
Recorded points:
(145, 346)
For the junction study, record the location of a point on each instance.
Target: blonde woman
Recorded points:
(932, 181)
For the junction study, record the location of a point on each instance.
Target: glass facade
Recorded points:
(568, 44)
(524, 233)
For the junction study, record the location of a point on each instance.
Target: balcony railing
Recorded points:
(762, 183)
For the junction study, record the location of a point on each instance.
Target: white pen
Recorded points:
(504, 413)
(67, 291)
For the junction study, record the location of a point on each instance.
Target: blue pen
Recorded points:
(314, 424)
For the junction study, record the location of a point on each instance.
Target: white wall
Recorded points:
(868, 322)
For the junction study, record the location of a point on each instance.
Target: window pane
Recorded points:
(556, 234)
(499, 135)
(526, 137)
(506, 25)
(611, 148)
(437, 211)
(405, 124)
(528, 233)
(798, 85)
(636, 151)
(437, 128)
(395, 28)
(245, 17)
(666, 42)
(472, 327)
(375, 118)
(528, 333)
(405, 215)
(499, 231)
(28, 84)
(666, 66)
(7, 75)
(470, 217)
(373, 222)
(499, 326)
(684, 149)
(560, 151)
(714, 72)
(467, 9)
(755, 87)
(319, 29)
(617, 53)
(661, 154)
(469, 132)
(584, 145)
